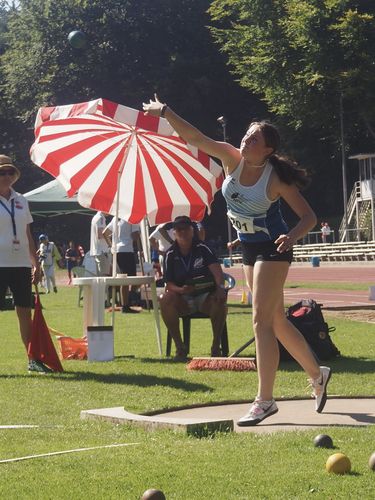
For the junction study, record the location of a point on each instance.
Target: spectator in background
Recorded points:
(194, 282)
(98, 246)
(127, 235)
(61, 249)
(72, 258)
(47, 253)
(200, 231)
(81, 254)
(19, 266)
(326, 231)
(163, 237)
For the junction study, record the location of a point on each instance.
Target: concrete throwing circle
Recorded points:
(292, 414)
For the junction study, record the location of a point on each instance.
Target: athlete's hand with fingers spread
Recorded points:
(284, 242)
(153, 108)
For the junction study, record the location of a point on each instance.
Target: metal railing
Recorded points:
(316, 237)
(355, 195)
(355, 234)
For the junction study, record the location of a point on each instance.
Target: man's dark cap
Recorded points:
(182, 220)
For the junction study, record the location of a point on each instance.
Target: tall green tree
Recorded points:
(301, 55)
(9, 128)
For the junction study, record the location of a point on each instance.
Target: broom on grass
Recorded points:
(222, 364)
(232, 363)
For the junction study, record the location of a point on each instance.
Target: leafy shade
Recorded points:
(300, 55)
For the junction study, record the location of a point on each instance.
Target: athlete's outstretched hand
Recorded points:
(154, 107)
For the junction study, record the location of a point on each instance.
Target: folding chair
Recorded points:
(230, 283)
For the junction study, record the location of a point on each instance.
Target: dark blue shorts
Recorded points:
(265, 251)
(126, 263)
(18, 280)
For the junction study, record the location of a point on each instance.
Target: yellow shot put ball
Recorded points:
(338, 463)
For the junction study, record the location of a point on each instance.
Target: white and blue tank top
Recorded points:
(255, 217)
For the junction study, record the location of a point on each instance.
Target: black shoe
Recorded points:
(181, 355)
(38, 367)
(127, 310)
(216, 352)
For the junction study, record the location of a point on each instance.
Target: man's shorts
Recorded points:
(126, 263)
(195, 302)
(18, 279)
(265, 251)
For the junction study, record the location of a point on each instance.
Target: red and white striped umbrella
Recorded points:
(100, 149)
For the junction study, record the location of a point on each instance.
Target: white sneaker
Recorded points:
(258, 411)
(319, 386)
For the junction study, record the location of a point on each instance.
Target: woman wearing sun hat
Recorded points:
(19, 267)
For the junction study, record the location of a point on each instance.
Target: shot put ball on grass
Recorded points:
(323, 441)
(77, 39)
(153, 494)
(338, 463)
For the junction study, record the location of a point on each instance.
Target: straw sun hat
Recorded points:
(6, 162)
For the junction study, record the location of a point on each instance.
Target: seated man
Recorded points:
(194, 282)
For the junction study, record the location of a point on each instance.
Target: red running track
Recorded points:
(339, 273)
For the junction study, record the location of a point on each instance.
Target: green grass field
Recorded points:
(329, 285)
(224, 466)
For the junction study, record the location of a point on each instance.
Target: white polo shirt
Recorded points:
(22, 217)
(124, 234)
(98, 245)
(164, 244)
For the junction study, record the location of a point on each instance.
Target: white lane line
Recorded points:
(18, 459)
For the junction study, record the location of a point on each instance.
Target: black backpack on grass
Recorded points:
(307, 317)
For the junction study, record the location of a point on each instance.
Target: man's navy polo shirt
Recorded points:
(179, 269)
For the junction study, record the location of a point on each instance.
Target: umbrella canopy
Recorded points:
(123, 162)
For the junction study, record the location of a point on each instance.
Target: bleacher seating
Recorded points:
(352, 251)
(336, 252)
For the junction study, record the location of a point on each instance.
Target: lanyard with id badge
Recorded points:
(15, 241)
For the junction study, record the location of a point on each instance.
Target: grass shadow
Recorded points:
(162, 361)
(343, 364)
(365, 418)
(123, 378)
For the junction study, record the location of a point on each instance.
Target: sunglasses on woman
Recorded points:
(10, 172)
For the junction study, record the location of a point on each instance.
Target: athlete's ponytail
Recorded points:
(287, 169)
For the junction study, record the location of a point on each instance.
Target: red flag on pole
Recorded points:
(41, 347)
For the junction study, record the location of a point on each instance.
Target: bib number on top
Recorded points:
(241, 224)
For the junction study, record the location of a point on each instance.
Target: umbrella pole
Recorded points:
(115, 228)
(114, 246)
(143, 274)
